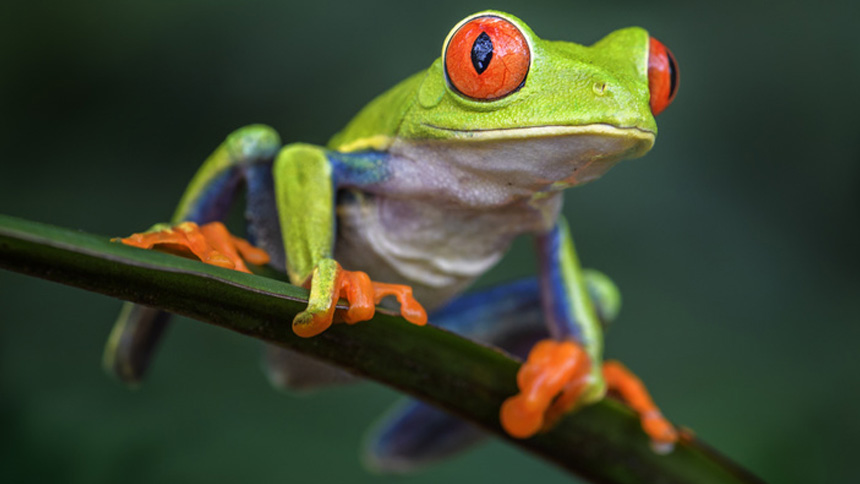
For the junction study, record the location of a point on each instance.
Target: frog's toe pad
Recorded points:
(414, 435)
(632, 391)
(550, 382)
(330, 282)
(364, 294)
(211, 243)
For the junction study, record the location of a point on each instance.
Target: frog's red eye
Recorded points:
(487, 58)
(663, 76)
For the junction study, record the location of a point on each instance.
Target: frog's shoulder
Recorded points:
(376, 125)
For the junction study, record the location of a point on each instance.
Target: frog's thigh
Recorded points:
(511, 315)
(415, 434)
(508, 316)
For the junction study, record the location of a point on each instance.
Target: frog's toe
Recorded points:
(632, 391)
(330, 282)
(414, 434)
(363, 294)
(212, 243)
(550, 382)
(410, 309)
(310, 323)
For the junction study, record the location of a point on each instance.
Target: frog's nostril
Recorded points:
(600, 88)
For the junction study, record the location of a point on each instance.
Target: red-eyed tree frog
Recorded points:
(421, 193)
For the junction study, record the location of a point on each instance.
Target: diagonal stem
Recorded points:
(602, 443)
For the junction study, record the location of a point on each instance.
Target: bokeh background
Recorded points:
(735, 241)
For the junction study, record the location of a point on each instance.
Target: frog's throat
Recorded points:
(549, 131)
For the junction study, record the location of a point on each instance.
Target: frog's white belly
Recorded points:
(439, 250)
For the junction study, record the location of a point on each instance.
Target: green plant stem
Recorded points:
(602, 443)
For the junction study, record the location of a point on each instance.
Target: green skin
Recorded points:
(477, 173)
(571, 91)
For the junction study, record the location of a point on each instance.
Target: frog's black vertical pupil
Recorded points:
(673, 74)
(482, 53)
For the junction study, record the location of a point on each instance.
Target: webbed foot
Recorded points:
(550, 382)
(553, 379)
(212, 243)
(329, 282)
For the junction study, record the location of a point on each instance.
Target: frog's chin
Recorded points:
(548, 156)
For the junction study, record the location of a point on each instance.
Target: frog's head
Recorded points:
(575, 110)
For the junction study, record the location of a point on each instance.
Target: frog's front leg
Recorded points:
(306, 182)
(247, 155)
(567, 371)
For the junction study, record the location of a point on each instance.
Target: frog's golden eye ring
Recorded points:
(487, 58)
(663, 76)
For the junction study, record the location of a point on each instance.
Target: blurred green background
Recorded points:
(735, 241)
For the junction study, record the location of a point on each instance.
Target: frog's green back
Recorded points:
(375, 126)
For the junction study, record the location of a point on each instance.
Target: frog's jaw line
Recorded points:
(548, 131)
(492, 168)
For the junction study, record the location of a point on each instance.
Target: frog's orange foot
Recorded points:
(211, 243)
(631, 390)
(363, 295)
(550, 382)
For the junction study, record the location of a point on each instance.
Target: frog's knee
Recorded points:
(604, 295)
(253, 142)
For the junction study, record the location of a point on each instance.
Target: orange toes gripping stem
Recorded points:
(633, 392)
(364, 294)
(211, 243)
(550, 382)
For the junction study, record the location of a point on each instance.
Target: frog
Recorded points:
(422, 193)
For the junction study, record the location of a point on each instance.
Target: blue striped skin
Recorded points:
(213, 203)
(138, 329)
(557, 304)
(261, 213)
(513, 316)
(414, 434)
(508, 316)
(358, 169)
(250, 153)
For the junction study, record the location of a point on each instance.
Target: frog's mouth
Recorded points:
(556, 155)
(526, 132)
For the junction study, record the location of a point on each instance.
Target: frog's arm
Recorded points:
(307, 178)
(246, 153)
(567, 370)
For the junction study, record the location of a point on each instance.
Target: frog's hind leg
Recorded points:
(414, 434)
(245, 155)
